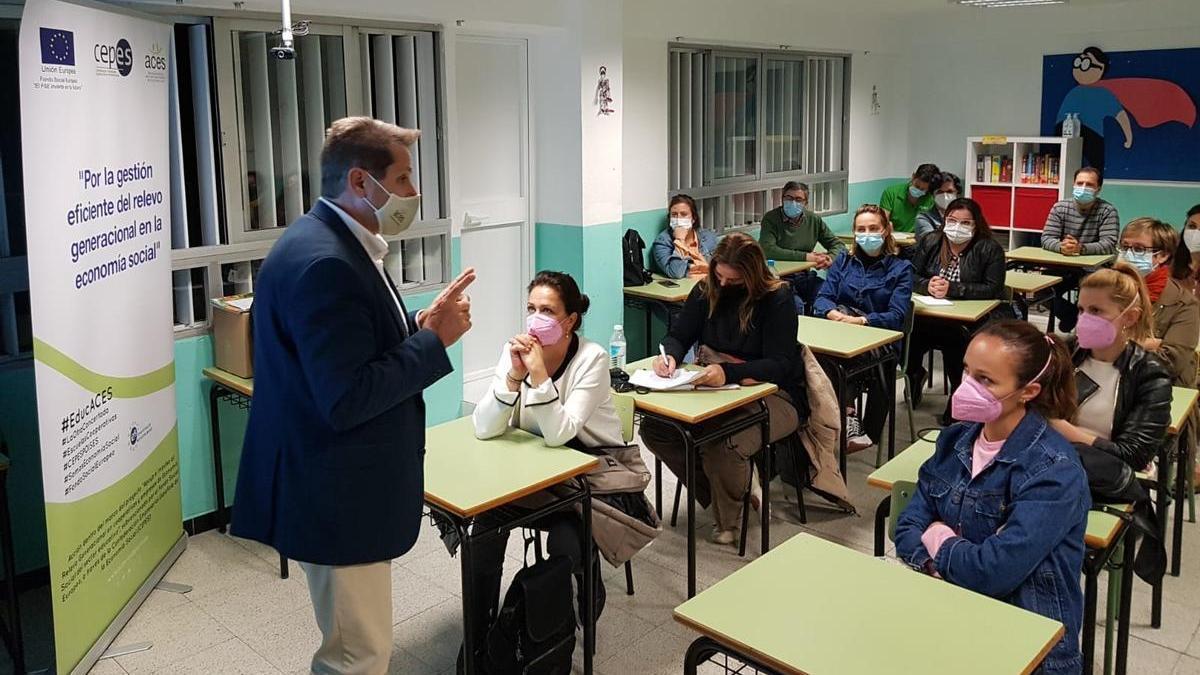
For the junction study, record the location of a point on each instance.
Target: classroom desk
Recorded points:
(1029, 282)
(647, 296)
(225, 386)
(788, 612)
(683, 411)
(1183, 401)
(1104, 530)
(786, 268)
(465, 477)
(1036, 257)
(838, 345)
(964, 311)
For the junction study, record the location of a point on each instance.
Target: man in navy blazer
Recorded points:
(331, 472)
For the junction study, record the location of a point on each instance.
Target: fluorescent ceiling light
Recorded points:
(1007, 3)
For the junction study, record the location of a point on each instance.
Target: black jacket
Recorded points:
(1143, 410)
(981, 268)
(770, 348)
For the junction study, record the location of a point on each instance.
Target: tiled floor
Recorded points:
(241, 617)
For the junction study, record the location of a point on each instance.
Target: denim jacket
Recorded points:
(669, 261)
(882, 289)
(1020, 525)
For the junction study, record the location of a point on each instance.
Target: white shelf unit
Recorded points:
(1021, 203)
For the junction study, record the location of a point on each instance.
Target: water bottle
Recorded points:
(1076, 126)
(771, 267)
(616, 347)
(1066, 127)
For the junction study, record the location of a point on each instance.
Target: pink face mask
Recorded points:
(545, 328)
(972, 402)
(1097, 332)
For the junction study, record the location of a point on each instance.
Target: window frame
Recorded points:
(763, 181)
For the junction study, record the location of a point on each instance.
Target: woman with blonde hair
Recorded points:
(1124, 391)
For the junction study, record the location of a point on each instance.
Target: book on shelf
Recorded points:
(1040, 169)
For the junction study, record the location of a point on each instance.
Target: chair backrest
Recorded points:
(624, 405)
(902, 492)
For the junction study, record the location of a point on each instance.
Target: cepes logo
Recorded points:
(118, 57)
(156, 60)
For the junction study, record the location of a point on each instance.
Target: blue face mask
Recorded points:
(1084, 195)
(871, 243)
(1144, 261)
(793, 209)
(915, 192)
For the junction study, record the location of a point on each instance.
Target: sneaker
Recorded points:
(724, 537)
(858, 443)
(853, 428)
(755, 489)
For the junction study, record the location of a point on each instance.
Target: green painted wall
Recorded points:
(865, 192)
(1168, 203)
(592, 255)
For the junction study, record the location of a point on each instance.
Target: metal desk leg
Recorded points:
(214, 418)
(892, 406)
(698, 652)
(468, 598)
(1161, 504)
(881, 514)
(658, 468)
(765, 507)
(1091, 569)
(1181, 472)
(649, 325)
(1126, 601)
(283, 566)
(690, 450)
(16, 637)
(589, 580)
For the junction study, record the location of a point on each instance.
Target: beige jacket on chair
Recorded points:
(823, 431)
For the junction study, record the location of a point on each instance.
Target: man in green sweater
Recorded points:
(904, 201)
(791, 232)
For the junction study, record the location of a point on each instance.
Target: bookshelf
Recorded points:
(1016, 179)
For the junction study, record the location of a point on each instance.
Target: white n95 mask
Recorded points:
(397, 213)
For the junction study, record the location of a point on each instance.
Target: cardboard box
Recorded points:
(232, 346)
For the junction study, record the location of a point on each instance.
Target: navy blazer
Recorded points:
(332, 464)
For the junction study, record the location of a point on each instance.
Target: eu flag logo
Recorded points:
(58, 47)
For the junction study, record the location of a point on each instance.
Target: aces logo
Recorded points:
(156, 59)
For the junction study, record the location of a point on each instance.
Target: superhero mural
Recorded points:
(1137, 110)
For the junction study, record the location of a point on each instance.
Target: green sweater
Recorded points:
(782, 240)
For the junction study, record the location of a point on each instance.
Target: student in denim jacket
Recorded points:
(1001, 507)
(869, 286)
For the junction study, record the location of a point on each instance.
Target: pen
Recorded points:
(662, 352)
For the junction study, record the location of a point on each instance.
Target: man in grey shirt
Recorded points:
(1082, 225)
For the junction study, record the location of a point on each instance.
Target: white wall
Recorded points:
(982, 69)
(877, 148)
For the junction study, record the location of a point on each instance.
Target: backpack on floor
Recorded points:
(534, 631)
(631, 252)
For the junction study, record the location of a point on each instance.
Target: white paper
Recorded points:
(647, 378)
(241, 303)
(930, 301)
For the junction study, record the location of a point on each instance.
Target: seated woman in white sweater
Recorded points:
(552, 382)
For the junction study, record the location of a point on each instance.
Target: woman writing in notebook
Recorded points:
(1001, 507)
(742, 321)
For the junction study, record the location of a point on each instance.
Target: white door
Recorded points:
(492, 85)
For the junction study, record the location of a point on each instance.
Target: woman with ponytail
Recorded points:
(1001, 507)
(1124, 392)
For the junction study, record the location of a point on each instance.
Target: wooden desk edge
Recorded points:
(785, 668)
(936, 312)
(511, 497)
(736, 644)
(882, 342)
(697, 419)
(222, 378)
(633, 291)
(1173, 428)
(879, 483)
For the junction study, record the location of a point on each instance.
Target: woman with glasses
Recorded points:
(961, 261)
(792, 232)
(1149, 246)
(742, 321)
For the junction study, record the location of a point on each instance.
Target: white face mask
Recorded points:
(681, 223)
(958, 233)
(943, 199)
(1191, 239)
(397, 213)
